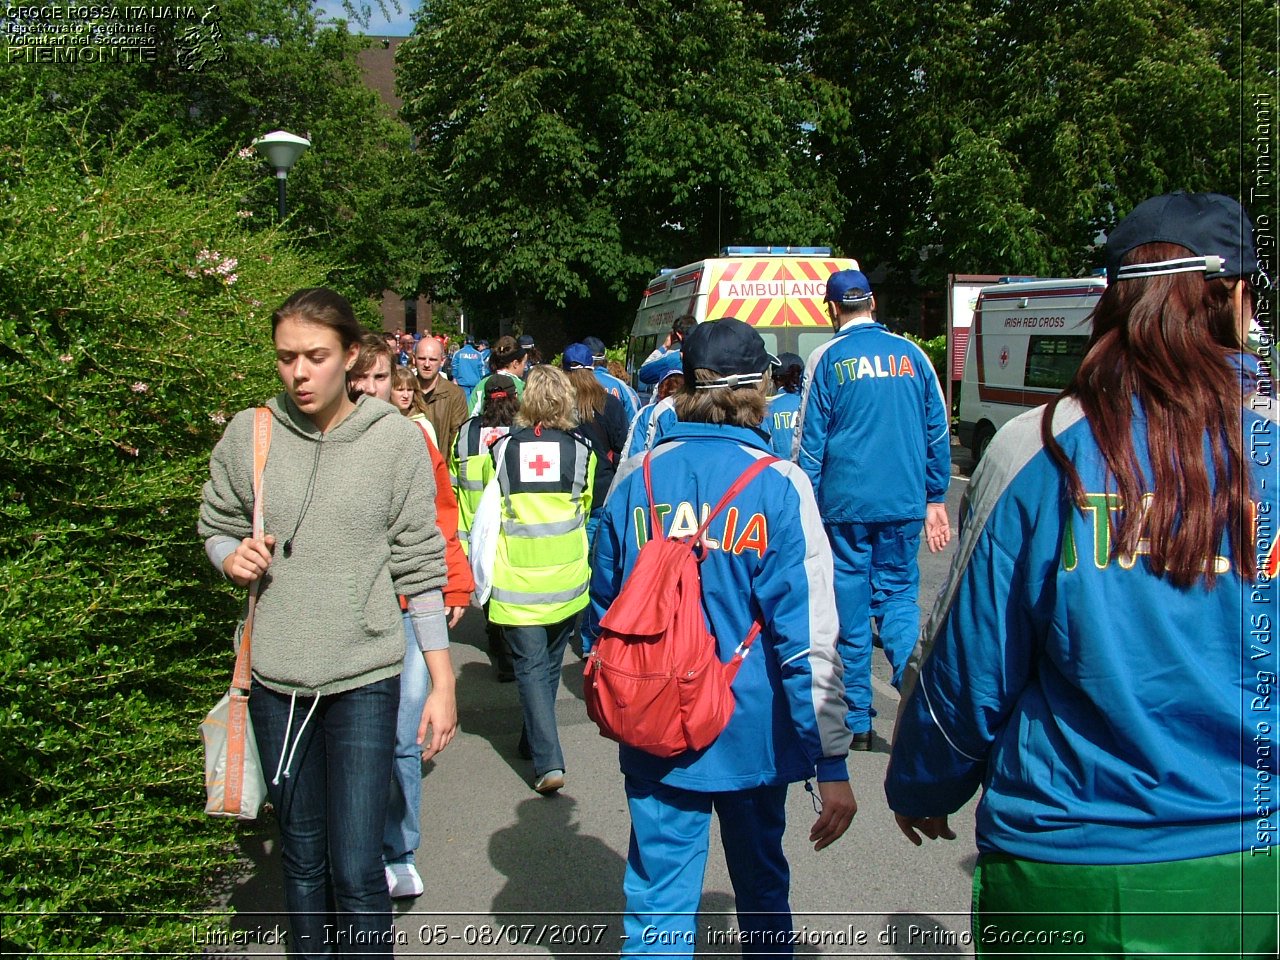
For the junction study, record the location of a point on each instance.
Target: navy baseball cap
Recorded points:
(788, 360)
(576, 355)
(525, 341)
(1212, 226)
(596, 346)
(848, 287)
(729, 347)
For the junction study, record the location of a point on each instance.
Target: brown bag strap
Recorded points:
(261, 445)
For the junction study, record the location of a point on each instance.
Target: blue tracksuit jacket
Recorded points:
(620, 389)
(768, 557)
(1109, 716)
(469, 366)
(874, 434)
(658, 363)
(649, 426)
(780, 423)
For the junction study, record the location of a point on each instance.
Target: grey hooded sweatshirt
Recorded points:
(357, 507)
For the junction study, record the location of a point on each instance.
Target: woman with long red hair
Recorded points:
(1102, 658)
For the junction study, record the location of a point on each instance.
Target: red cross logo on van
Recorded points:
(1004, 357)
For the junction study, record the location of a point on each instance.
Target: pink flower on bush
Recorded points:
(246, 153)
(218, 417)
(66, 358)
(211, 263)
(140, 387)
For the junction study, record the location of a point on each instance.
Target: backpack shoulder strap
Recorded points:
(747, 475)
(753, 470)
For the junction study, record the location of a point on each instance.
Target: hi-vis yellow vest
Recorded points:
(540, 571)
(471, 467)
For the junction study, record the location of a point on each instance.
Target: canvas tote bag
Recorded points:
(233, 781)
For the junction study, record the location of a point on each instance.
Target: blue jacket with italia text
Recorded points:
(469, 366)
(767, 557)
(620, 389)
(874, 435)
(1108, 716)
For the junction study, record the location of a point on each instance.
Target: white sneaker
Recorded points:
(403, 881)
(549, 782)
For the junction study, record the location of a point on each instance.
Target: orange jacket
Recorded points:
(458, 587)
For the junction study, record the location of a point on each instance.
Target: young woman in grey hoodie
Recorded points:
(348, 496)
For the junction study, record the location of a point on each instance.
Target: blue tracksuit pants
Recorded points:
(875, 561)
(670, 837)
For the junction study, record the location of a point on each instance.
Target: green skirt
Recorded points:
(1224, 906)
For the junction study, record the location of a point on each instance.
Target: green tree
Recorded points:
(351, 196)
(1002, 137)
(134, 321)
(577, 146)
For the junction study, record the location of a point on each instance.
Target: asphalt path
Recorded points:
(510, 873)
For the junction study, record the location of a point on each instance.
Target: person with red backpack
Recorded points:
(765, 568)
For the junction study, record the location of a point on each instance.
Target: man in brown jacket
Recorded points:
(446, 401)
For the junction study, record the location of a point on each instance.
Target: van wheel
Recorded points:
(982, 435)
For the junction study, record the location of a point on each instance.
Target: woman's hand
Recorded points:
(454, 614)
(249, 561)
(440, 714)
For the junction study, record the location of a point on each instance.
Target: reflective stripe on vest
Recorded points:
(516, 596)
(513, 528)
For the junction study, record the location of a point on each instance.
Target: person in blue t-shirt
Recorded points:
(1102, 660)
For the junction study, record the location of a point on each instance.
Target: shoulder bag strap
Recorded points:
(261, 445)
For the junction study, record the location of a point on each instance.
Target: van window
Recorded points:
(811, 340)
(1053, 361)
(641, 347)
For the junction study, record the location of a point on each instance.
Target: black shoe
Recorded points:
(861, 741)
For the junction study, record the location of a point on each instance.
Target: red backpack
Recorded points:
(654, 680)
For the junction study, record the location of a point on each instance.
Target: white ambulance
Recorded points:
(778, 290)
(1027, 339)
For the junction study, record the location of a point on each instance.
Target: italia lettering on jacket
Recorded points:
(1102, 514)
(732, 531)
(856, 368)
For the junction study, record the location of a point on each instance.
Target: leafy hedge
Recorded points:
(134, 319)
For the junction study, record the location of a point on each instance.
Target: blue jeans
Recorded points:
(331, 809)
(537, 653)
(667, 859)
(403, 831)
(874, 559)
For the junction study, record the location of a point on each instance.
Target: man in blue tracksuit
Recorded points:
(469, 367)
(766, 558)
(612, 385)
(875, 441)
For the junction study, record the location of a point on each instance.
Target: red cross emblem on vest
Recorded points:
(539, 462)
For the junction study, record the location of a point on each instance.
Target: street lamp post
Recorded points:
(282, 151)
